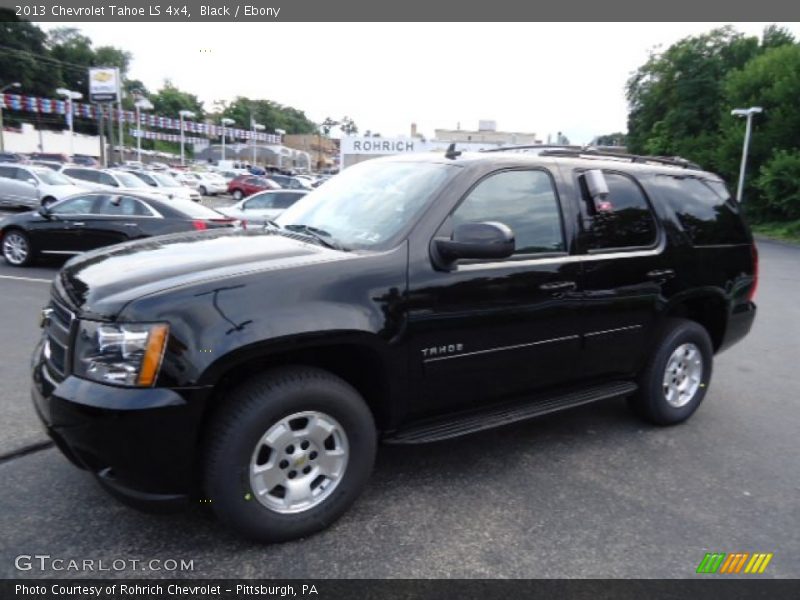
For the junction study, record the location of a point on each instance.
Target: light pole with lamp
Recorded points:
(70, 96)
(183, 114)
(225, 121)
(140, 104)
(256, 127)
(748, 114)
(281, 133)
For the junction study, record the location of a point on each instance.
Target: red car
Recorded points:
(244, 185)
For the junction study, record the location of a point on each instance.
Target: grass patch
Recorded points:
(788, 231)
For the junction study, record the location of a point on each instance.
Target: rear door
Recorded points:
(625, 268)
(13, 191)
(113, 219)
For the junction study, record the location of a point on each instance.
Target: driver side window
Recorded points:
(525, 201)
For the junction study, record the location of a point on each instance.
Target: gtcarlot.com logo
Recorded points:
(737, 562)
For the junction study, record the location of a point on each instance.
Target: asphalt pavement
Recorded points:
(592, 492)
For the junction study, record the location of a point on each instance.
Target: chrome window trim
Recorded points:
(572, 258)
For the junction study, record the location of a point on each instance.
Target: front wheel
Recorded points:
(203, 191)
(237, 195)
(17, 248)
(288, 453)
(675, 380)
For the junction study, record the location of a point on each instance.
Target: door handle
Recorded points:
(78, 223)
(661, 274)
(558, 286)
(130, 224)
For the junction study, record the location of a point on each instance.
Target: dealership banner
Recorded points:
(35, 104)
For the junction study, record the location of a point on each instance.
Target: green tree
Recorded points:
(169, 101)
(772, 81)
(268, 113)
(23, 57)
(677, 98)
(779, 184)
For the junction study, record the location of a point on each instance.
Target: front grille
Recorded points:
(58, 331)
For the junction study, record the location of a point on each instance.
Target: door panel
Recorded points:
(484, 331)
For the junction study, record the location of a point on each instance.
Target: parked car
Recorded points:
(410, 299)
(56, 156)
(31, 186)
(12, 157)
(165, 183)
(245, 185)
(94, 219)
(263, 206)
(208, 183)
(105, 179)
(185, 178)
(290, 183)
(49, 164)
(85, 160)
(157, 166)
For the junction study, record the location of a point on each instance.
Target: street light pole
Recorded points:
(70, 96)
(15, 84)
(141, 103)
(225, 121)
(748, 114)
(184, 113)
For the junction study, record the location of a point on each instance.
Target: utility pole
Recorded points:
(748, 114)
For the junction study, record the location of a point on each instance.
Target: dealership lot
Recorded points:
(592, 492)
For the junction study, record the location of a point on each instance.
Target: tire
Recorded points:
(282, 404)
(17, 248)
(237, 195)
(48, 200)
(203, 191)
(676, 378)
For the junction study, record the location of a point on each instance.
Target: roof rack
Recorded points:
(591, 152)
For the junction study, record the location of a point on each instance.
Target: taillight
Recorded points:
(200, 225)
(754, 252)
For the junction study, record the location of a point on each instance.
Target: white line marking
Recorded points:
(25, 278)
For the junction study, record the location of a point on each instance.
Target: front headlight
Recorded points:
(120, 353)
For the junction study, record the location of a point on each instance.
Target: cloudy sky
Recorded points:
(529, 77)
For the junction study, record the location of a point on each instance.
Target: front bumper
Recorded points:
(141, 444)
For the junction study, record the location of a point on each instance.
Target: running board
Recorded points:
(443, 428)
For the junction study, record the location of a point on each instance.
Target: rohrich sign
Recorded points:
(377, 145)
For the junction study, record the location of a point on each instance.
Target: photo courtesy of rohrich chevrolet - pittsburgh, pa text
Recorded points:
(399, 301)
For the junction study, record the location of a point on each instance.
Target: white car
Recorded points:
(29, 186)
(110, 179)
(209, 184)
(168, 185)
(263, 206)
(185, 178)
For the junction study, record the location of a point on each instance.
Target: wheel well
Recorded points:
(708, 311)
(359, 366)
(47, 200)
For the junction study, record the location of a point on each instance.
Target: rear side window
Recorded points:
(704, 209)
(626, 220)
(286, 200)
(121, 206)
(8, 172)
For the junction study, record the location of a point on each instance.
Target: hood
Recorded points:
(101, 282)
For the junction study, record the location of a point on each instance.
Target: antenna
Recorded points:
(451, 152)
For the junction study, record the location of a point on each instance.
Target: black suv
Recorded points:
(407, 300)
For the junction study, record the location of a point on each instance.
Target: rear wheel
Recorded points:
(237, 195)
(203, 191)
(288, 454)
(676, 378)
(17, 248)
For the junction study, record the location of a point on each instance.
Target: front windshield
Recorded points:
(165, 180)
(49, 177)
(130, 181)
(368, 203)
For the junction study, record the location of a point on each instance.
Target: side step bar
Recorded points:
(434, 430)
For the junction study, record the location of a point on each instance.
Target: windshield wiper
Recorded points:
(322, 236)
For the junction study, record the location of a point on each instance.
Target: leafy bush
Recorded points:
(779, 183)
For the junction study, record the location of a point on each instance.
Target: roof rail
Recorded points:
(590, 152)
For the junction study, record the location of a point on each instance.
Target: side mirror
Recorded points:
(477, 241)
(45, 212)
(32, 181)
